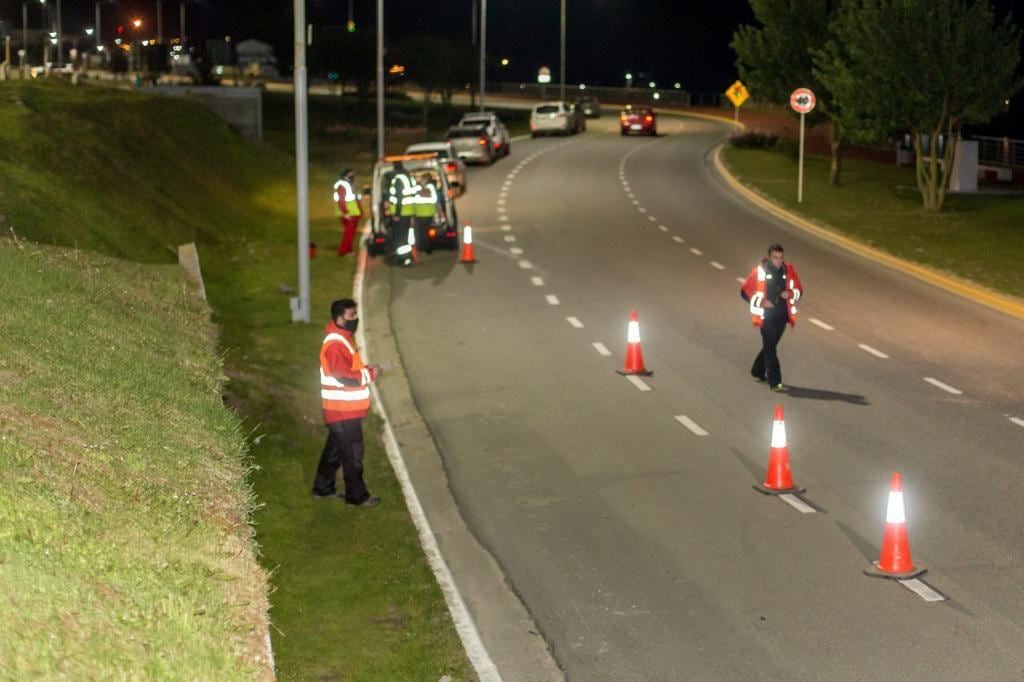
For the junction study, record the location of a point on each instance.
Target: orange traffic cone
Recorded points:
(778, 479)
(468, 256)
(634, 353)
(412, 243)
(895, 561)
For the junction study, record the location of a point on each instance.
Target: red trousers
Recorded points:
(349, 224)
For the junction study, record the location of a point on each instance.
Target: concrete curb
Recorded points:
(496, 630)
(1003, 303)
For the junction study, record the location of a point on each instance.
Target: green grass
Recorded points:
(352, 596)
(978, 237)
(124, 545)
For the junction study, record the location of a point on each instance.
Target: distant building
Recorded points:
(256, 58)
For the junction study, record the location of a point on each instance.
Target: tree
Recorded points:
(776, 58)
(436, 65)
(923, 67)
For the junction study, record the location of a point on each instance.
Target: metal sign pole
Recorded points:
(380, 79)
(800, 173)
(737, 115)
(300, 307)
(483, 51)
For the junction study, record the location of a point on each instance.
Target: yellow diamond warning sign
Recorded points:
(737, 94)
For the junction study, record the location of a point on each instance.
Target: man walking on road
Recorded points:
(772, 290)
(345, 399)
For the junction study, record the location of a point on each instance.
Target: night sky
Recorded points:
(664, 40)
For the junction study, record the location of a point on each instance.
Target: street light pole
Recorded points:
(561, 70)
(301, 306)
(159, 22)
(483, 51)
(380, 79)
(60, 39)
(181, 23)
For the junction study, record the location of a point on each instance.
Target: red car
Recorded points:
(638, 120)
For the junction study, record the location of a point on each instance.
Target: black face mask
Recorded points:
(351, 325)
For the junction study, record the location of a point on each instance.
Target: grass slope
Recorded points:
(352, 595)
(124, 544)
(979, 237)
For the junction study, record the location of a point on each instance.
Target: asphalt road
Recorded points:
(639, 546)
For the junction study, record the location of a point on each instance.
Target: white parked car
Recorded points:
(550, 118)
(496, 130)
(454, 167)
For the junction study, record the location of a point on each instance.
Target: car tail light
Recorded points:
(431, 233)
(649, 119)
(451, 167)
(450, 233)
(482, 140)
(380, 240)
(497, 145)
(623, 118)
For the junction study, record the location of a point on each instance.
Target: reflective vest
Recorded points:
(342, 397)
(346, 203)
(758, 281)
(401, 196)
(425, 202)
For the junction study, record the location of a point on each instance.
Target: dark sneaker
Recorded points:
(332, 496)
(779, 388)
(371, 501)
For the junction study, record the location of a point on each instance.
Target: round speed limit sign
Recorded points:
(802, 100)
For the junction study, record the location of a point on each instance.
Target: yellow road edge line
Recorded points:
(1003, 303)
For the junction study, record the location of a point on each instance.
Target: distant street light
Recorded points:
(678, 85)
(504, 61)
(651, 84)
(89, 31)
(137, 23)
(629, 80)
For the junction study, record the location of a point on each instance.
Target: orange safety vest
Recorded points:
(339, 401)
(759, 278)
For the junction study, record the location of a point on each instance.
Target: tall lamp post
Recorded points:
(301, 305)
(561, 70)
(483, 51)
(380, 79)
(99, 24)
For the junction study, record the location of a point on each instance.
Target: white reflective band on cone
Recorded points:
(467, 234)
(778, 434)
(895, 513)
(404, 248)
(633, 332)
(412, 236)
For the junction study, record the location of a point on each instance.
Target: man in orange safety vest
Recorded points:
(345, 399)
(772, 290)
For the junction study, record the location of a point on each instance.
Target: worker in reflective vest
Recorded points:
(772, 290)
(401, 199)
(425, 211)
(347, 207)
(345, 399)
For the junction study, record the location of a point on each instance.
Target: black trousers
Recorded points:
(344, 448)
(766, 364)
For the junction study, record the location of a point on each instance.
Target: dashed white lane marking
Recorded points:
(638, 382)
(944, 386)
(502, 209)
(652, 219)
(663, 228)
(1017, 420)
(630, 195)
(501, 202)
(574, 322)
(516, 251)
(552, 300)
(506, 228)
(537, 281)
(510, 238)
(696, 428)
(696, 252)
(678, 239)
(818, 323)
(526, 265)
(922, 589)
(503, 218)
(717, 266)
(874, 351)
(796, 503)
(601, 348)
(741, 280)
(642, 209)
(635, 202)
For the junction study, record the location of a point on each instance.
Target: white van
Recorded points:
(549, 118)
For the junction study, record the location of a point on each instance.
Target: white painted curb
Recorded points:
(464, 625)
